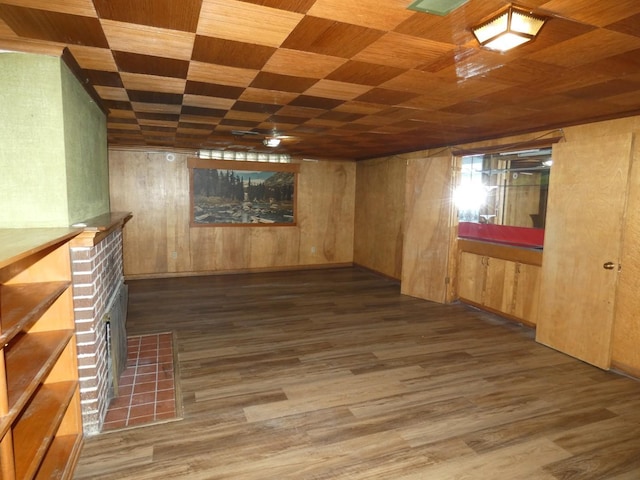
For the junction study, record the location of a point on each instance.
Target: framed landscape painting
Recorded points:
(242, 193)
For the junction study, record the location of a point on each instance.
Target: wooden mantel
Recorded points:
(97, 228)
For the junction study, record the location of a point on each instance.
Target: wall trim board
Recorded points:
(76, 70)
(506, 147)
(324, 266)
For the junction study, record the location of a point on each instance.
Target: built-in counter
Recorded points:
(500, 278)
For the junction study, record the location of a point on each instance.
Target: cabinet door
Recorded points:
(471, 276)
(526, 293)
(498, 288)
(587, 194)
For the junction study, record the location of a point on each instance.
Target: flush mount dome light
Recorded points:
(508, 29)
(272, 142)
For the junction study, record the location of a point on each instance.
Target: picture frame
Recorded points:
(242, 193)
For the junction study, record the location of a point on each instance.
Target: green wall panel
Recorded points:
(85, 140)
(53, 146)
(32, 160)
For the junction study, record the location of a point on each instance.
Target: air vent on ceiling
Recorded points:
(242, 133)
(436, 7)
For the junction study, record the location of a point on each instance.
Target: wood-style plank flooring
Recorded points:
(332, 374)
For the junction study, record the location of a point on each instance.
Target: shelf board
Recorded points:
(35, 431)
(19, 243)
(29, 359)
(22, 304)
(40, 425)
(61, 457)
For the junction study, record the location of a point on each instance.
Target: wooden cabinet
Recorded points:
(526, 292)
(471, 277)
(40, 417)
(498, 284)
(497, 278)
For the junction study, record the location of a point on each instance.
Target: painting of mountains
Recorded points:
(224, 196)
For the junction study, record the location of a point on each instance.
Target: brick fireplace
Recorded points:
(98, 285)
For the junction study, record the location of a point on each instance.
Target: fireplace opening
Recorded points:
(115, 319)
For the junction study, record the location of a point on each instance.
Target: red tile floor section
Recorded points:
(147, 389)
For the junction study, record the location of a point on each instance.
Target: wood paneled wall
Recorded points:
(429, 226)
(158, 240)
(379, 215)
(396, 201)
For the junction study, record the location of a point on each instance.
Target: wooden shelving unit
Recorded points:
(40, 416)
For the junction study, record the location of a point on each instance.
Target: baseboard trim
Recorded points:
(625, 370)
(376, 272)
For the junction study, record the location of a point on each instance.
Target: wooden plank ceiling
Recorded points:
(343, 79)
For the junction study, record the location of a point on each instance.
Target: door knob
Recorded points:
(609, 266)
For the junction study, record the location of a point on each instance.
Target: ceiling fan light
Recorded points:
(508, 29)
(271, 142)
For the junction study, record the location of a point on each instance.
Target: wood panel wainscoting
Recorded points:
(379, 208)
(333, 374)
(159, 241)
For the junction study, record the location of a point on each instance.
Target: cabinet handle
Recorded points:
(609, 266)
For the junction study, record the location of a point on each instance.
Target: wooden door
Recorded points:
(626, 334)
(471, 277)
(428, 231)
(587, 193)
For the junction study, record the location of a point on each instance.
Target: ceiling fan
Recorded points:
(270, 139)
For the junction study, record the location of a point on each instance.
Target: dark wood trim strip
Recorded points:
(529, 256)
(324, 266)
(76, 69)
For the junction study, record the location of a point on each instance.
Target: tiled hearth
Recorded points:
(147, 388)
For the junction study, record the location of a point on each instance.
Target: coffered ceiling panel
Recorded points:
(147, 40)
(303, 64)
(378, 14)
(336, 78)
(599, 13)
(245, 22)
(74, 7)
(53, 26)
(167, 14)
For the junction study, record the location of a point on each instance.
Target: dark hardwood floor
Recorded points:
(332, 374)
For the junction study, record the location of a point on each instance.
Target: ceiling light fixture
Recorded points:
(272, 142)
(508, 29)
